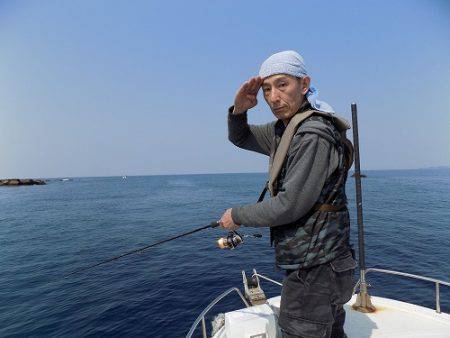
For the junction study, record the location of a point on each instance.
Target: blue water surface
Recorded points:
(48, 231)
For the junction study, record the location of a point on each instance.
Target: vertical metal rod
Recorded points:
(363, 302)
(438, 301)
(362, 260)
(204, 328)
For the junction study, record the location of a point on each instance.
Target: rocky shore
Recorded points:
(17, 182)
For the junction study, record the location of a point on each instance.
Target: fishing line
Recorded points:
(142, 249)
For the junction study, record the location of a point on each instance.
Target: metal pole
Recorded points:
(363, 302)
(204, 328)
(362, 260)
(438, 301)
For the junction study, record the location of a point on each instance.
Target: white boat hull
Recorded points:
(392, 319)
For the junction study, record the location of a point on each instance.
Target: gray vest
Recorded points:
(323, 233)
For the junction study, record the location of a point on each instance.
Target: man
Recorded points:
(306, 211)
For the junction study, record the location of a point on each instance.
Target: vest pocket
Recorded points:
(343, 268)
(300, 327)
(343, 263)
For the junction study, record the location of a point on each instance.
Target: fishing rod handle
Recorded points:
(214, 224)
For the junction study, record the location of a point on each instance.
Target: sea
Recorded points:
(49, 231)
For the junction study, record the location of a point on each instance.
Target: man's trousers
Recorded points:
(312, 299)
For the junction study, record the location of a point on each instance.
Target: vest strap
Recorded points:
(282, 149)
(263, 193)
(329, 207)
(289, 132)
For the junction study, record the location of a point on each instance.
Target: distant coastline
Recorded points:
(443, 168)
(14, 182)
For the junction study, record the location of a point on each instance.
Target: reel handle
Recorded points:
(231, 241)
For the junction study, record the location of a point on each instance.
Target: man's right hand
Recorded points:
(246, 95)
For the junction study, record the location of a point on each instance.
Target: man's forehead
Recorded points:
(271, 79)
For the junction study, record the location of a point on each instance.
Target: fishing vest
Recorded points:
(323, 233)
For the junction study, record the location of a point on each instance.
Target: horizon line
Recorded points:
(443, 167)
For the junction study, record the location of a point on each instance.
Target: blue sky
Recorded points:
(99, 88)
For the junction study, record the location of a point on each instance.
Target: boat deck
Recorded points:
(396, 319)
(392, 319)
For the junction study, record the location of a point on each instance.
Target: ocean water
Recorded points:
(49, 231)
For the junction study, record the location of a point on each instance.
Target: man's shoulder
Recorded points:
(320, 126)
(316, 120)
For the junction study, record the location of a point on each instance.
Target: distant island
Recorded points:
(16, 182)
(441, 167)
(360, 175)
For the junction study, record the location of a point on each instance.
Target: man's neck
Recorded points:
(304, 106)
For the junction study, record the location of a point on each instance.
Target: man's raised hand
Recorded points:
(246, 95)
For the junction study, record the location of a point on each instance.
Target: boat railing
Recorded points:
(201, 317)
(436, 282)
(267, 279)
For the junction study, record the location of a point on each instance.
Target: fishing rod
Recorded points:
(230, 242)
(142, 249)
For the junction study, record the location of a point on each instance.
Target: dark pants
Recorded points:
(312, 299)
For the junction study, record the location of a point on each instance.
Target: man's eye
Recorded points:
(265, 89)
(283, 84)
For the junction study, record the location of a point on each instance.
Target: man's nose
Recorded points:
(274, 96)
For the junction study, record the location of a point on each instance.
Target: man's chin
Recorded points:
(279, 113)
(283, 115)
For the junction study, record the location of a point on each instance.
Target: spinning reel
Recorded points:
(233, 239)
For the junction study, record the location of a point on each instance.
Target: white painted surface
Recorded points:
(253, 322)
(393, 319)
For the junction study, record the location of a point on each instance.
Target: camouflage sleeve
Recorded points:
(249, 137)
(308, 165)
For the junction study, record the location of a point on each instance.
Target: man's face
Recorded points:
(284, 94)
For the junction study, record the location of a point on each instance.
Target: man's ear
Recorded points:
(306, 81)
